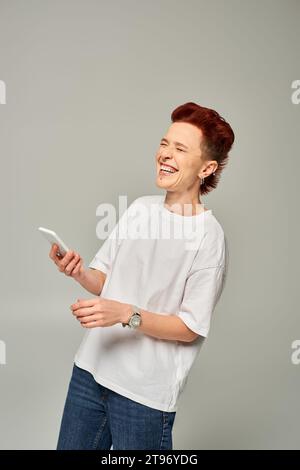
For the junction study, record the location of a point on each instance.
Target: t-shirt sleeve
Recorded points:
(201, 294)
(103, 260)
(105, 255)
(204, 286)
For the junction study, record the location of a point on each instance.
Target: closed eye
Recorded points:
(180, 150)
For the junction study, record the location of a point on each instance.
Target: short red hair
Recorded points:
(218, 137)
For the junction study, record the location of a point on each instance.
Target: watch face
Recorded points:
(135, 321)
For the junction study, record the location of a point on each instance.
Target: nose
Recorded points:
(165, 155)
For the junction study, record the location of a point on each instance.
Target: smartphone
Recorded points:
(52, 237)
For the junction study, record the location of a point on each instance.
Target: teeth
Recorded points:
(169, 170)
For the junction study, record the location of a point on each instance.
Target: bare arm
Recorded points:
(101, 312)
(161, 326)
(168, 327)
(92, 280)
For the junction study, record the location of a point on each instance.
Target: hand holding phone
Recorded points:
(68, 261)
(71, 264)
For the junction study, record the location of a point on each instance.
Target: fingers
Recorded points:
(84, 312)
(66, 260)
(77, 268)
(88, 316)
(53, 253)
(86, 303)
(70, 266)
(88, 319)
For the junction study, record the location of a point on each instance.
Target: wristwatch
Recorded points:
(135, 320)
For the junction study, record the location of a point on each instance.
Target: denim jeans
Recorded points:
(95, 417)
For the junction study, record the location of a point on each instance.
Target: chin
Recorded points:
(160, 183)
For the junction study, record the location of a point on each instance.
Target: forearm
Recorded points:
(92, 280)
(160, 326)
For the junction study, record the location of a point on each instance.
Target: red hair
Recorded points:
(218, 137)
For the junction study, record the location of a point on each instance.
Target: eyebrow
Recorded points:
(176, 143)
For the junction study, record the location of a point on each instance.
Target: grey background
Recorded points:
(90, 89)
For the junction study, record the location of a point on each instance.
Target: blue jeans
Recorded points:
(95, 417)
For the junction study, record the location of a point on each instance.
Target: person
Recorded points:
(153, 296)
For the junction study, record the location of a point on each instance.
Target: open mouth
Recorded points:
(166, 170)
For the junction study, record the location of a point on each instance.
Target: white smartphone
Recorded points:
(52, 237)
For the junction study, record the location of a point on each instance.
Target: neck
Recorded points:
(183, 203)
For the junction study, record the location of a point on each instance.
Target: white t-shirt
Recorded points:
(181, 272)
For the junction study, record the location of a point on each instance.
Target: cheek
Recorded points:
(193, 167)
(187, 172)
(185, 167)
